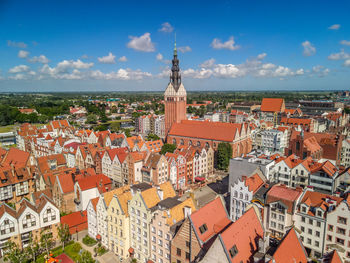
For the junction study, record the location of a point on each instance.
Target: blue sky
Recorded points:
(223, 45)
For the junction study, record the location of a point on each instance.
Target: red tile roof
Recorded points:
(272, 105)
(218, 131)
(66, 182)
(281, 193)
(214, 216)
(290, 250)
(332, 257)
(317, 199)
(76, 221)
(100, 181)
(15, 157)
(254, 182)
(243, 234)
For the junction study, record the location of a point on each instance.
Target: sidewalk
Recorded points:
(108, 257)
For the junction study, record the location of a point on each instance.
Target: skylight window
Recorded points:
(203, 228)
(233, 251)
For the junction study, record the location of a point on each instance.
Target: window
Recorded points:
(311, 221)
(203, 228)
(302, 229)
(187, 244)
(342, 220)
(29, 220)
(318, 224)
(303, 209)
(317, 244)
(178, 251)
(233, 251)
(303, 219)
(309, 231)
(339, 241)
(49, 215)
(309, 241)
(187, 255)
(330, 228)
(341, 231)
(329, 237)
(319, 213)
(317, 233)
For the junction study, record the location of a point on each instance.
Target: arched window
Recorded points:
(207, 144)
(235, 194)
(246, 197)
(240, 195)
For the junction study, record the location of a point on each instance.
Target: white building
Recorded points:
(345, 153)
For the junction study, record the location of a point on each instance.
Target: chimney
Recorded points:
(187, 211)
(160, 194)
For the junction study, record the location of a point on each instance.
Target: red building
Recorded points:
(174, 96)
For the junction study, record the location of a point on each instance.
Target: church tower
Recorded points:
(174, 96)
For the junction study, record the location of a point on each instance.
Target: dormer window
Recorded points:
(233, 251)
(319, 213)
(303, 209)
(203, 228)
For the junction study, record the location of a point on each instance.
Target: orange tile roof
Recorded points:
(254, 182)
(154, 146)
(150, 196)
(168, 190)
(43, 162)
(15, 157)
(135, 140)
(284, 194)
(94, 202)
(243, 234)
(107, 196)
(76, 221)
(219, 131)
(327, 167)
(214, 216)
(124, 198)
(66, 182)
(333, 257)
(99, 180)
(296, 121)
(272, 105)
(176, 213)
(317, 199)
(290, 250)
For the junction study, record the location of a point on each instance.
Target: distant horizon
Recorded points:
(224, 45)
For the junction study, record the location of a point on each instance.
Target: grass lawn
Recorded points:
(71, 250)
(7, 128)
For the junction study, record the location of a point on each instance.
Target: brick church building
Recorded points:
(181, 131)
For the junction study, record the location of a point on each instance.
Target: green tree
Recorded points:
(33, 249)
(127, 133)
(152, 137)
(91, 118)
(85, 257)
(114, 126)
(14, 254)
(224, 155)
(46, 241)
(167, 147)
(63, 234)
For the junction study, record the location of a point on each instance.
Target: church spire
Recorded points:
(175, 77)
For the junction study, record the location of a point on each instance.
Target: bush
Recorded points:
(101, 250)
(89, 241)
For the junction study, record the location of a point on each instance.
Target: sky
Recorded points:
(49, 46)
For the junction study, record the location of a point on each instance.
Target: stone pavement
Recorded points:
(108, 257)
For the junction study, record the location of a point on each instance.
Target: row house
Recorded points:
(141, 206)
(102, 215)
(193, 237)
(112, 161)
(90, 156)
(311, 220)
(166, 218)
(63, 192)
(345, 153)
(155, 169)
(242, 193)
(69, 150)
(89, 187)
(132, 167)
(28, 220)
(16, 183)
(211, 134)
(279, 209)
(119, 224)
(177, 170)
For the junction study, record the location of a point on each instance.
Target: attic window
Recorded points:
(233, 251)
(203, 228)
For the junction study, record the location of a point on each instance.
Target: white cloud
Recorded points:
(166, 28)
(159, 57)
(16, 44)
(208, 63)
(320, 71)
(261, 56)
(71, 64)
(345, 42)
(84, 56)
(347, 63)
(185, 49)
(123, 59)
(309, 49)
(334, 27)
(109, 59)
(339, 56)
(40, 59)
(121, 74)
(229, 44)
(19, 69)
(23, 54)
(142, 43)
